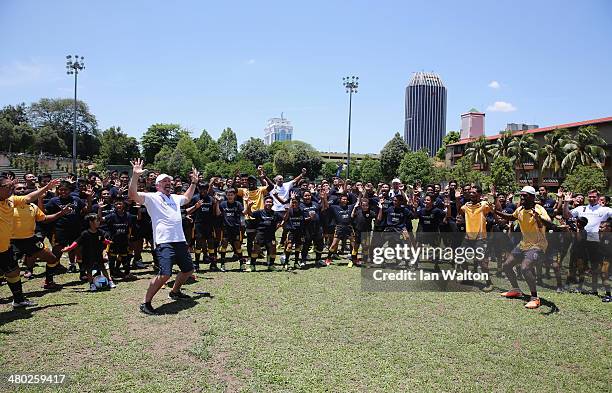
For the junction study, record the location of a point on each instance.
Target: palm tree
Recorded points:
(501, 148)
(524, 149)
(478, 152)
(553, 151)
(584, 149)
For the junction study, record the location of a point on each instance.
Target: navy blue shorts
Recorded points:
(170, 253)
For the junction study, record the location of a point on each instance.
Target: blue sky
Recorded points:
(216, 64)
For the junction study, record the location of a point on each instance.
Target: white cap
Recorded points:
(162, 177)
(529, 190)
(396, 180)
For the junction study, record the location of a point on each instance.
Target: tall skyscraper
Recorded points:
(278, 129)
(425, 120)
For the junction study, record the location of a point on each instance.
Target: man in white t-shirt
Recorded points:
(283, 190)
(595, 214)
(168, 237)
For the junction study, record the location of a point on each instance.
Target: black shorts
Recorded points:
(261, 239)
(65, 238)
(8, 263)
(117, 249)
(203, 231)
(295, 237)
(359, 236)
(533, 254)
(344, 232)
(231, 234)
(28, 247)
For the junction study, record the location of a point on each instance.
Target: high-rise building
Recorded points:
(278, 129)
(513, 127)
(425, 120)
(472, 124)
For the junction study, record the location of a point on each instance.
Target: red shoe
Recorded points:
(533, 303)
(512, 294)
(328, 262)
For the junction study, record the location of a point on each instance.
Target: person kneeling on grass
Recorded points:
(533, 220)
(170, 242)
(92, 242)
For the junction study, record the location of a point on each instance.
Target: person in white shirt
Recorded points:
(282, 190)
(596, 214)
(169, 241)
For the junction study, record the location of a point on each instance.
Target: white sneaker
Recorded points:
(24, 303)
(112, 285)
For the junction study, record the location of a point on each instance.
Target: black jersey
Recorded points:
(231, 213)
(342, 214)
(363, 219)
(399, 218)
(430, 220)
(295, 220)
(205, 213)
(92, 245)
(68, 223)
(119, 227)
(266, 222)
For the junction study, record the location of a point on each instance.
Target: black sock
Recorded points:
(49, 271)
(534, 294)
(17, 291)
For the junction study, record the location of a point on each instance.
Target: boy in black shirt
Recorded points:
(231, 213)
(313, 231)
(344, 231)
(362, 217)
(92, 243)
(266, 222)
(120, 224)
(203, 213)
(294, 224)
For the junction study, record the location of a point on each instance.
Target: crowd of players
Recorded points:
(104, 233)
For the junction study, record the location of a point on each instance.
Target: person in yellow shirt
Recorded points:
(23, 240)
(256, 196)
(8, 264)
(533, 221)
(474, 214)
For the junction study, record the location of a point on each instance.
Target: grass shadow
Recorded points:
(180, 305)
(27, 312)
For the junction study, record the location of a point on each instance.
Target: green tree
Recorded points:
(553, 151)
(268, 167)
(48, 140)
(584, 178)
(524, 150)
(208, 147)
(157, 136)
(57, 114)
(296, 155)
(243, 167)
(478, 151)
(585, 148)
(255, 151)
(329, 169)
(451, 137)
(371, 171)
(503, 175)
(501, 147)
(440, 174)
(15, 132)
(189, 148)
(464, 173)
(416, 165)
(391, 156)
(228, 145)
(116, 147)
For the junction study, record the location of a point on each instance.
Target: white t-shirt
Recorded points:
(596, 214)
(283, 192)
(165, 215)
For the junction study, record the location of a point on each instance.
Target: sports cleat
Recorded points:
(28, 275)
(138, 264)
(512, 294)
(560, 290)
(72, 268)
(606, 299)
(112, 284)
(250, 268)
(533, 303)
(328, 262)
(222, 268)
(177, 295)
(50, 285)
(22, 304)
(285, 267)
(149, 310)
(349, 264)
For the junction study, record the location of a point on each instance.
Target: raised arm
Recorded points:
(296, 180)
(566, 200)
(194, 182)
(137, 170)
(264, 178)
(33, 196)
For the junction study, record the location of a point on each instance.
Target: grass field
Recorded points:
(312, 330)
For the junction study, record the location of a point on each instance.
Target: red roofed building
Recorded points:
(456, 150)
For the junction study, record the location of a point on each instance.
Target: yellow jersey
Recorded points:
(476, 219)
(533, 236)
(24, 221)
(7, 211)
(256, 195)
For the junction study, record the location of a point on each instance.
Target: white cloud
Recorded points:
(18, 73)
(501, 106)
(494, 85)
(251, 61)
